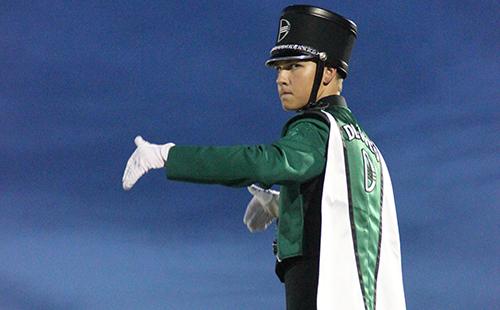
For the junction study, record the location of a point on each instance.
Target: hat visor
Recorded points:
(271, 62)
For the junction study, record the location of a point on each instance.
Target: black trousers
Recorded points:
(300, 275)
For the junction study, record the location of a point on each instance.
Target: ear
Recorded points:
(328, 75)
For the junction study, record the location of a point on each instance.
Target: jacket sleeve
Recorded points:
(297, 157)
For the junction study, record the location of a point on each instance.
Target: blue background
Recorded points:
(79, 79)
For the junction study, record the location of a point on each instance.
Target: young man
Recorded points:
(337, 243)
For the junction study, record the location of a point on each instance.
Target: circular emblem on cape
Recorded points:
(284, 29)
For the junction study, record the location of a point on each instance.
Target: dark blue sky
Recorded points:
(79, 79)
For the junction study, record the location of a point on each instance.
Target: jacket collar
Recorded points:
(327, 102)
(334, 100)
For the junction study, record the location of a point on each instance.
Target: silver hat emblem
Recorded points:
(284, 29)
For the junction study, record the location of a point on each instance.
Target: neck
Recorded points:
(327, 92)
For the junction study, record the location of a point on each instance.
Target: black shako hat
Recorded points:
(308, 32)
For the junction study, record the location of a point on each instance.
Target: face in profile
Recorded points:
(294, 80)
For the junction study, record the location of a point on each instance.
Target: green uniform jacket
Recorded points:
(296, 162)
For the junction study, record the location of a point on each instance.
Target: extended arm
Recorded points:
(298, 156)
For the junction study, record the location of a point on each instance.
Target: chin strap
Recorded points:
(318, 77)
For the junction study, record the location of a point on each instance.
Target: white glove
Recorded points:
(146, 156)
(262, 209)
